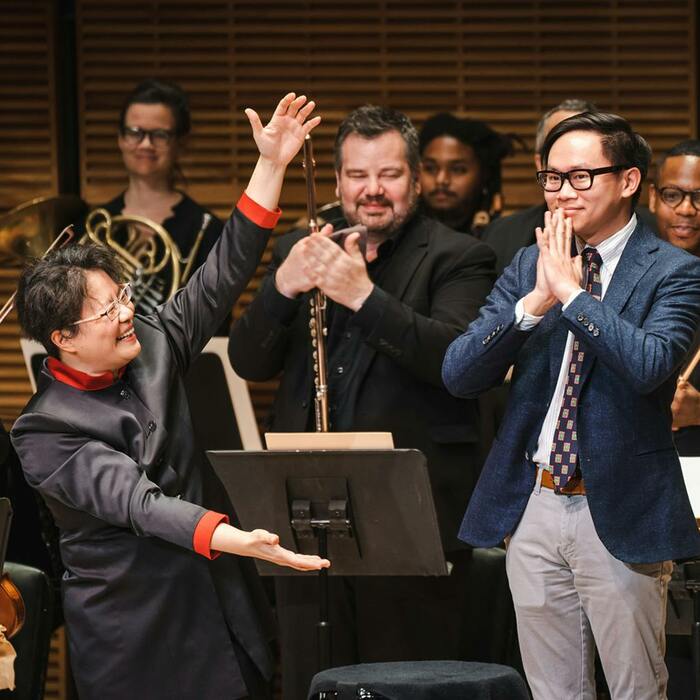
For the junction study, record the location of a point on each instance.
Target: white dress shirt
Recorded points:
(610, 251)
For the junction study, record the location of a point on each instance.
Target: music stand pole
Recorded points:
(324, 624)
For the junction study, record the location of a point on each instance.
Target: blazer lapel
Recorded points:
(633, 264)
(411, 250)
(631, 267)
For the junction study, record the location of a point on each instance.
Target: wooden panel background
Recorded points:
(505, 62)
(28, 161)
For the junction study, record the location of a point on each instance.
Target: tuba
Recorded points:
(151, 259)
(28, 231)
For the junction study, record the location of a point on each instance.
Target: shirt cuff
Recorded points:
(523, 320)
(201, 541)
(572, 296)
(258, 214)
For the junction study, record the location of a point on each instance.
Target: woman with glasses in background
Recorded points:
(154, 123)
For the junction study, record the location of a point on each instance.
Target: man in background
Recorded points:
(674, 198)
(461, 171)
(508, 234)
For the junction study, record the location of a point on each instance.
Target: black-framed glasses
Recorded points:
(111, 311)
(579, 179)
(673, 196)
(134, 135)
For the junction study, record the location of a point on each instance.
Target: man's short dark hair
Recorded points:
(370, 121)
(621, 145)
(572, 104)
(52, 290)
(490, 147)
(689, 147)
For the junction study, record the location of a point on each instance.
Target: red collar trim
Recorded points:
(81, 380)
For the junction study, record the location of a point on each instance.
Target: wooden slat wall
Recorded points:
(28, 160)
(506, 62)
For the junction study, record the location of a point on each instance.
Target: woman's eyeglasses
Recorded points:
(159, 138)
(112, 310)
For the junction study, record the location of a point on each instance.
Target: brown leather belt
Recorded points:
(574, 487)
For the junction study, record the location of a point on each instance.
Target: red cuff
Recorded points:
(258, 214)
(201, 541)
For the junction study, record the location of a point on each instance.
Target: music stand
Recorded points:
(370, 512)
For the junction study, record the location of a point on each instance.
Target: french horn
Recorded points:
(150, 257)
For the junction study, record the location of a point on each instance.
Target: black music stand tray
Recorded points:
(370, 512)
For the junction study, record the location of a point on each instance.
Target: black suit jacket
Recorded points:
(432, 288)
(508, 234)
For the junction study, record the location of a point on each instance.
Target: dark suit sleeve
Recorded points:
(258, 340)
(644, 356)
(418, 342)
(480, 358)
(197, 310)
(94, 478)
(508, 234)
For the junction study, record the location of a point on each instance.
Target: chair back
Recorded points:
(32, 642)
(222, 412)
(34, 354)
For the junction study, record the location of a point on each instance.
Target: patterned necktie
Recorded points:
(564, 455)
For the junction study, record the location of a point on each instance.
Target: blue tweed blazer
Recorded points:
(635, 340)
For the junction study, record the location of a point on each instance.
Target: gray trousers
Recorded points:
(571, 595)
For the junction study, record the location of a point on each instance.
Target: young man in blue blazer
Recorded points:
(583, 481)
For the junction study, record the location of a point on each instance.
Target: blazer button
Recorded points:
(579, 317)
(585, 320)
(124, 393)
(596, 332)
(590, 327)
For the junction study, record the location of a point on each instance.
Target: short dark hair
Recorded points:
(490, 147)
(370, 121)
(155, 92)
(689, 147)
(572, 104)
(621, 145)
(52, 290)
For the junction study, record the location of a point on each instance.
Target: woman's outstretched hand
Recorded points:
(266, 545)
(262, 544)
(282, 138)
